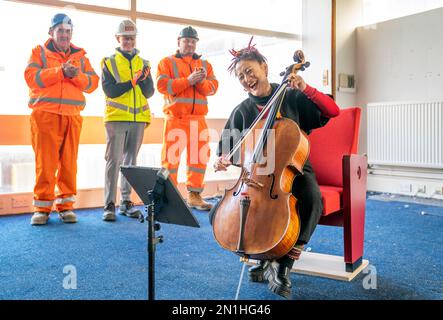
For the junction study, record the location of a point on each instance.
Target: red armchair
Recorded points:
(341, 174)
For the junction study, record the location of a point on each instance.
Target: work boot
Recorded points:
(68, 216)
(39, 218)
(127, 209)
(257, 273)
(279, 281)
(195, 201)
(109, 212)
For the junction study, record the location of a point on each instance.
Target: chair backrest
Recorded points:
(328, 145)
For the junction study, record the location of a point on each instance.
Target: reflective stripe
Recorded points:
(57, 100)
(138, 110)
(82, 65)
(173, 170)
(89, 82)
(196, 101)
(169, 87)
(188, 100)
(117, 105)
(33, 65)
(195, 189)
(114, 69)
(64, 200)
(91, 73)
(213, 88)
(42, 203)
(198, 170)
(211, 78)
(43, 57)
(174, 67)
(162, 76)
(204, 64)
(38, 80)
(127, 108)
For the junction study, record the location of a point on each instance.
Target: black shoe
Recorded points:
(279, 281)
(257, 273)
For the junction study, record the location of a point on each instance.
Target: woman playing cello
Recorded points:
(308, 108)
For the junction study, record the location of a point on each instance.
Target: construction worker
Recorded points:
(127, 84)
(57, 75)
(186, 80)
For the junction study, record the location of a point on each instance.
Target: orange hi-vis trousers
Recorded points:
(190, 132)
(55, 140)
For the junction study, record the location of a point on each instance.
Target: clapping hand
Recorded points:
(197, 76)
(69, 70)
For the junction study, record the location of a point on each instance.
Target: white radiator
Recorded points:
(406, 134)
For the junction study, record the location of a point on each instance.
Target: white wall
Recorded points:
(401, 60)
(317, 43)
(348, 17)
(316, 32)
(394, 60)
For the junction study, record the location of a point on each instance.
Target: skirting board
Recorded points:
(323, 265)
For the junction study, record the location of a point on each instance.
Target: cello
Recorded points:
(257, 218)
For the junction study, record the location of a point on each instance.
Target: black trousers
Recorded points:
(309, 206)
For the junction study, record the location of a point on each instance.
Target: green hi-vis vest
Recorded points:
(132, 105)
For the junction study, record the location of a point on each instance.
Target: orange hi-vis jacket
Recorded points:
(182, 99)
(49, 89)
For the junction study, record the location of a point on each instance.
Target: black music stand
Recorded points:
(163, 203)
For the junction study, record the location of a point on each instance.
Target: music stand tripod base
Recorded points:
(163, 203)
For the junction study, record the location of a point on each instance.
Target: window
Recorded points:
(117, 4)
(275, 15)
(214, 45)
(95, 33)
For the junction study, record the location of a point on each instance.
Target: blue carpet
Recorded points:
(402, 241)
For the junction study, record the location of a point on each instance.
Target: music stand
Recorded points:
(163, 203)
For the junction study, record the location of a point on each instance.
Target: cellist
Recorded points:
(310, 109)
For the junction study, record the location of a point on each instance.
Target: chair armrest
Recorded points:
(354, 204)
(355, 171)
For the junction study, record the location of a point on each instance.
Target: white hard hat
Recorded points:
(126, 28)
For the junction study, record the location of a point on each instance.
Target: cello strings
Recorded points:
(261, 114)
(273, 116)
(265, 109)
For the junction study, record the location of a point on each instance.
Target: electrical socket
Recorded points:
(421, 188)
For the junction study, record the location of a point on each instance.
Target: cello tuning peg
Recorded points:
(284, 72)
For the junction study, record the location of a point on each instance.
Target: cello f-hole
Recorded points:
(236, 193)
(273, 197)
